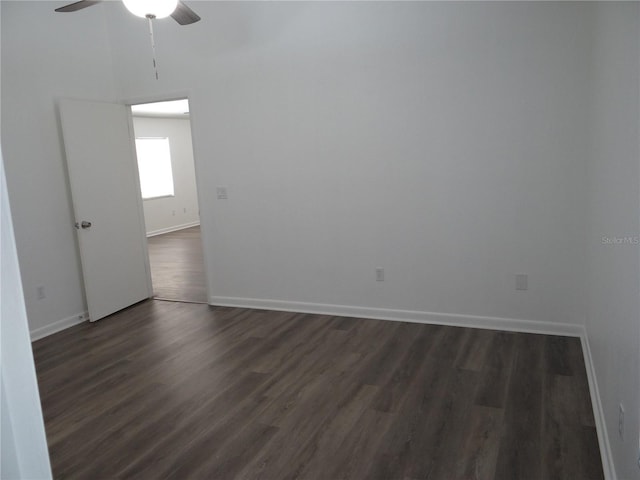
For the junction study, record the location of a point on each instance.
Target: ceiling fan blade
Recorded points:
(184, 15)
(72, 7)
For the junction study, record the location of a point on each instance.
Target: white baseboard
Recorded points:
(598, 411)
(472, 321)
(38, 333)
(174, 228)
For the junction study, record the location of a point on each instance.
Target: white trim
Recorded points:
(175, 228)
(472, 321)
(38, 333)
(598, 412)
(139, 203)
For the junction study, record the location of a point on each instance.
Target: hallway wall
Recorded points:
(181, 210)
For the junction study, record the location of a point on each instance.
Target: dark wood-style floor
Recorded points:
(175, 390)
(177, 266)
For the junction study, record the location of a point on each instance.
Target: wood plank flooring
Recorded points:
(175, 390)
(177, 266)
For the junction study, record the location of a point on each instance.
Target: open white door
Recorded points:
(106, 201)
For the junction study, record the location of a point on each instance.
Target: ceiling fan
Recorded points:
(149, 9)
(146, 9)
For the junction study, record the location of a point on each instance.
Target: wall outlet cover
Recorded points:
(522, 282)
(221, 193)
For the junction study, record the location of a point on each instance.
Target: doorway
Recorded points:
(167, 175)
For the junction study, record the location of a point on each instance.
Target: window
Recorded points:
(154, 166)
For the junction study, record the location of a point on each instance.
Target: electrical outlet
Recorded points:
(379, 274)
(522, 282)
(173, 212)
(621, 422)
(221, 193)
(184, 210)
(40, 295)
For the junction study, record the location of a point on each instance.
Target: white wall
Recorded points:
(445, 142)
(24, 453)
(46, 56)
(613, 314)
(172, 213)
(453, 144)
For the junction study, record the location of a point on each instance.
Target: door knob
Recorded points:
(84, 224)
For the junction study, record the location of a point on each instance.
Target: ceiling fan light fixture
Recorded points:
(151, 8)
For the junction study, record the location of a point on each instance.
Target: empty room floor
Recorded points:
(178, 390)
(177, 266)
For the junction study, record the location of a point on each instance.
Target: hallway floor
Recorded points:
(177, 266)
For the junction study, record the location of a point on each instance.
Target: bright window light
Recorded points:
(154, 165)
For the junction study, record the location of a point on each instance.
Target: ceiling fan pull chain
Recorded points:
(153, 43)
